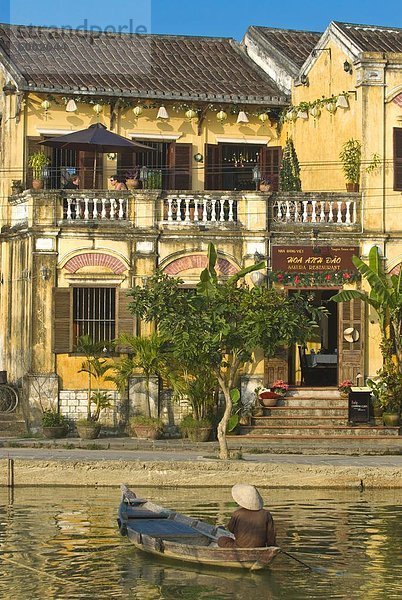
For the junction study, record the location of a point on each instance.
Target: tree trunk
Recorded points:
(89, 398)
(223, 447)
(147, 396)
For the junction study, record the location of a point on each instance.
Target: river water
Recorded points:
(63, 543)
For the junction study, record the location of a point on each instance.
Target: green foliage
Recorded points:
(150, 354)
(289, 175)
(351, 156)
(197, 387)
(38, 161)
(51, 418)
(96, 368)
(189, 423)
(147, 421)
(385, 297)
(387, 387)
(218, 325)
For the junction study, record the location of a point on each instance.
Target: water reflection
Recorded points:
(63, 544)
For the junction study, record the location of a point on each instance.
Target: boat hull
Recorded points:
(170, 535)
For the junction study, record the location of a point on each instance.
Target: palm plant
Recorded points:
(96, 368)
(150, 354)
(385, 297)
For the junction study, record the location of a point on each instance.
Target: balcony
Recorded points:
(327, 210)
(199, 209)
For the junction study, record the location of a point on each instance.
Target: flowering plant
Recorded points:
(345, 386)
(279, 387)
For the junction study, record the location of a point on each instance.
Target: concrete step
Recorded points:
(313, 401)
(12, 425)
(319, 431)
(304, 421)
(313, 392)
(307, 411)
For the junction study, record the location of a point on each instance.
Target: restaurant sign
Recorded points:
(306, 265)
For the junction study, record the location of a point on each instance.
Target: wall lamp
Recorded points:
(317, 50)
(304, 79)
(44, 273)
(347, 67)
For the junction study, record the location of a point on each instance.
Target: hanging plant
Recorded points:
(289, 176)
(315, 278)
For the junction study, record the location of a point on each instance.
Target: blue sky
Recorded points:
(205, 17)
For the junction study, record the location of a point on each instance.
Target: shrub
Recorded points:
(53, 419)
(147, 421)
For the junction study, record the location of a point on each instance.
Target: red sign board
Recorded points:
(306, 259)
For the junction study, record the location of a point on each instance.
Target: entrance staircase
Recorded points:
(312, 414)
(12, 425)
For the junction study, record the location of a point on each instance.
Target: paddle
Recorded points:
(315, 569)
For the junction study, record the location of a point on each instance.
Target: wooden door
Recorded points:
(351, 341)
(213, 167)
(277, 367)
(180, 166)
(270, 162)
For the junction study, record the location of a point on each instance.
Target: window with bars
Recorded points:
(94, 313)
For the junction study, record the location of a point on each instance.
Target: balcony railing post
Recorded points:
(196, 210)
(95, 209)
(103, 212)
(339, 213)
(347, 217)
(187, 200)
(331, 212)
(205, 209)
(305, 213)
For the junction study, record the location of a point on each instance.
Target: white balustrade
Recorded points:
(86, 208)
(340, 212)
(188, 209)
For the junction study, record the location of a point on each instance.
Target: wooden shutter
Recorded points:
(126, 321)
(398, 158)
(213, 167)
(62, 320)
(180, 166)
(276, 367)
(86, 167)
(270, 162)
(351, 354)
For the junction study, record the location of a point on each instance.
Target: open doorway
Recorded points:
(316, 364)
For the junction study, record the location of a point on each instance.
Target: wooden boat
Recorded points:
(169, 534)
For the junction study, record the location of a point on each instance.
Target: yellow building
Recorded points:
(348, 87)
(208, 116)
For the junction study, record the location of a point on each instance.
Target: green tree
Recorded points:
(220, 324)
(290, 169)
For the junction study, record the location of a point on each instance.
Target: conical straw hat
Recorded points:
(247, 496)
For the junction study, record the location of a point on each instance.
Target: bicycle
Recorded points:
(8, 398)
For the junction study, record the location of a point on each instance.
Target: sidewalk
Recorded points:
(110, 461)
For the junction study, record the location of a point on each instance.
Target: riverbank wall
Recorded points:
(199, 473)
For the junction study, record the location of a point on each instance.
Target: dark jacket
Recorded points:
(252, 528)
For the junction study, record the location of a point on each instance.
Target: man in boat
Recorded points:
(251, 525)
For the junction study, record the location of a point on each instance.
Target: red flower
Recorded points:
(346, 275)
(280, 277)
(297, 279)
(328, 277)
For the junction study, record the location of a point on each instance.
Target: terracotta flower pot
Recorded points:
(52, 433)
(352, 187)
(89, 431)
(391, 419)
(132, 184)
(265, 187)
(37, 184)
(268, 399)
(147, 432)
(199, 434)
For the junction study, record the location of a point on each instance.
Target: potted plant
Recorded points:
(54, 424)
(351, 156)
(38, 161)
(376, 407)
(96, 368)
(345, 388)
(268, 397)
(289, 175)
(389, 390)
(197, 430)
(149, 428)
(16, 187)
(280, 387)
(132, 179)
